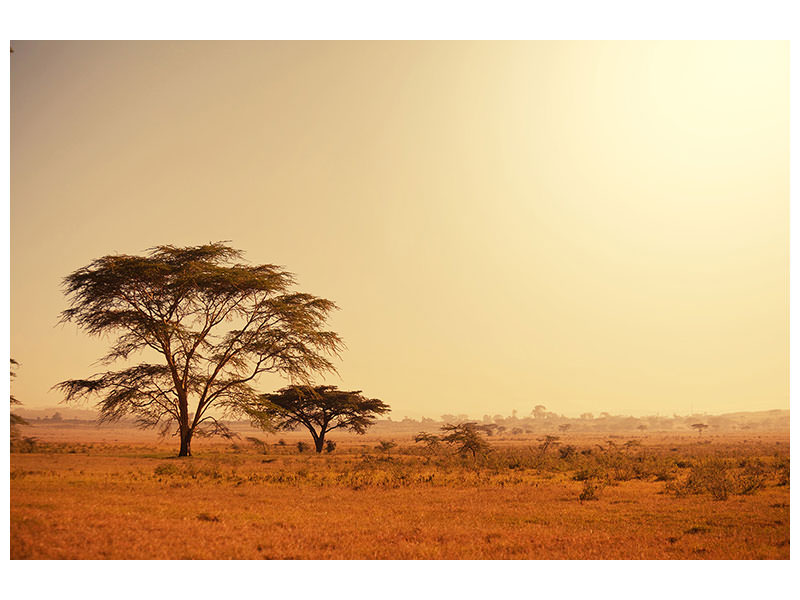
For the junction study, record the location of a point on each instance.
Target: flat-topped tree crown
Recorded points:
(214, 322)
(320, 409)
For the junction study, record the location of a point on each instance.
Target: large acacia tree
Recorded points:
(320, 409)
(212, 325)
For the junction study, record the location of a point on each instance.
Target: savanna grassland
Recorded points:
(654, 496)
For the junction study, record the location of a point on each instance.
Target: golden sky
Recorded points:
(592, 226)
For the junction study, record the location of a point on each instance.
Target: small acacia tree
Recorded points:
(699, 427)
(466, 437)
(212, 323)
(320, 409)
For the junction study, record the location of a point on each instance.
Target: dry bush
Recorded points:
(752, 476)
(260, 445)
(618, 466)
(25, 444)
(385, 446)
(707, 475)
(590, 472)
(566, 452)
(166, 469)
(665, 474)
(720, 478)
(782, 469)
(592, 487)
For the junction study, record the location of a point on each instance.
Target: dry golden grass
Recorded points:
(137, 502)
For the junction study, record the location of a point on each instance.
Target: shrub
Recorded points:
(302, 447)
(782, 466)
(567, 452)
(166, 469)
(588, 473)
(385, 446)
(260, 445)
(591, 489)
(709, 476)
(26, 445)
(208, 517)
(751, 477)
(663, 473)
(330, 446)
(547, 441)
(619, 466)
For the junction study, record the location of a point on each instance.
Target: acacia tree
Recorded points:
(466, 437)
(212, 324)
(320, 409)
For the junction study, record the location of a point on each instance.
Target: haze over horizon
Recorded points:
(591, 226)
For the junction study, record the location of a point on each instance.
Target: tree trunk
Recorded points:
(183, 425)
(319, 442)
(186, 442)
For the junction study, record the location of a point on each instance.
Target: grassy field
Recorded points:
(653, 497)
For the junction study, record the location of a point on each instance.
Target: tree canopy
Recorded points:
(320, 409)
(466, 437)
(211, 325)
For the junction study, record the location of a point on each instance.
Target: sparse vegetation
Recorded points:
(567, 498)
(720, 478)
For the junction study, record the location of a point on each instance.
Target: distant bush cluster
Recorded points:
(721, 478)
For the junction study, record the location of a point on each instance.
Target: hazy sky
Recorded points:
(589, 226)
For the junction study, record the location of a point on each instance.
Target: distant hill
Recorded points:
(757, 414)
